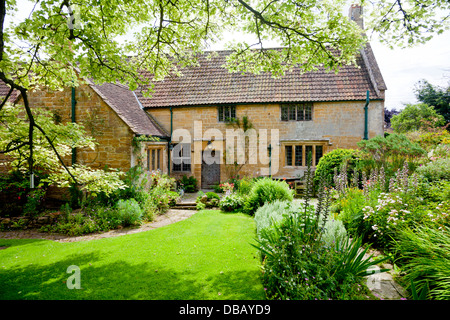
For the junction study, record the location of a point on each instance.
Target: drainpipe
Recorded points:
(366, 132)
(74, 102)
(169, 144)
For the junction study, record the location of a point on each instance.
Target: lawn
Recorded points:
(207, 256)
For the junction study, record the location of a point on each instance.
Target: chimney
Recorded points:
(355, 14)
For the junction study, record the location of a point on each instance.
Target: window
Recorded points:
(319, 153)
(154, 159)
(296, 112)
(226, 113)
(181, 157)
(297, 154)
(289, 155)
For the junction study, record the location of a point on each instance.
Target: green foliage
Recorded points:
(208, 200)
(436, 96)
(435, 170)
(14, 187)
(425, 258)
(416, 117)
(163, 198)
(299, 266)
(34, 204)
(129, 211)
(189, 184)
(231, 202)
(406, 23)
(244, 185)
(274, 212)
(349, 210)
(433, 192)
(352, 260)
(267, 190)
(391, 152)
(332, 161)
(307, 256)
(334, 233)
(64, 137)
(431, 139)
(92, 219)
(402, 209)
(421, 295)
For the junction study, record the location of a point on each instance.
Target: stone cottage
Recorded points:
(186, 127)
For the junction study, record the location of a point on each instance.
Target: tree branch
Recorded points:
(6, 98)
(15, 148)
(284, 29)
(56, 152)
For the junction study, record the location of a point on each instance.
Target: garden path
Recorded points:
(382, 285)
(169, 217)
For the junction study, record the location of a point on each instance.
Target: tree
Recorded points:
(416, 117)
(391, 152)
(60, 37)
(439, 97)
(388, 114)
(406, 23)
(64, 137)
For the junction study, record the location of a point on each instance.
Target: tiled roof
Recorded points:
(128, 108)
(121, 100)
(210, 83)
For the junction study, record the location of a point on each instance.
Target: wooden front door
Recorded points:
(210, 171)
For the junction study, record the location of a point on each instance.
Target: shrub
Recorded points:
(108, 218)
(416, 117)
(189, 184)
(231, 202)
(267, 190)
(245, 185)
(149, 206)
(349, 210)
(208, 200)
(334, 233)
(163, 199)
(332, 161)
(429, 140)
(16, 196)
(129, 211)
(299, 266)
(391, 152)
(212, 195)
(274, 212)
(435, 170)
(34, 204)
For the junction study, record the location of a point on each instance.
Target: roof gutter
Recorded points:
(169, 142)
(366, 131)
(74, 102)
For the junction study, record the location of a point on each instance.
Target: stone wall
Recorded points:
(334, 125)
(112, 134)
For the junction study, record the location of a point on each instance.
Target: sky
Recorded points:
(401, 68)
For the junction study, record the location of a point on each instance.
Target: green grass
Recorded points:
(205, 257)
